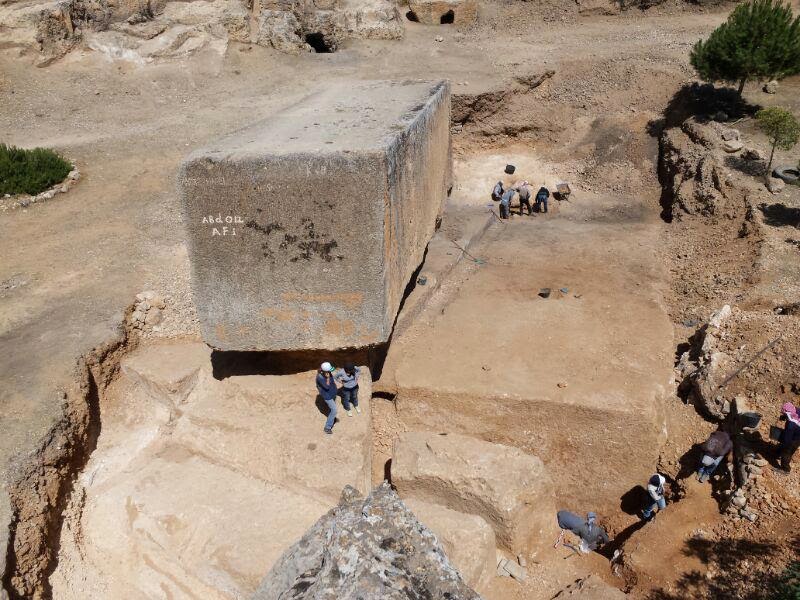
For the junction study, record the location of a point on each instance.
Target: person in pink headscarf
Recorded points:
(790, 437)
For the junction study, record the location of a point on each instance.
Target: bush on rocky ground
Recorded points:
(30, 171)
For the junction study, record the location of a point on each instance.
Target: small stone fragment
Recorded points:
(732, 146)
(153, 317)
(775, 185)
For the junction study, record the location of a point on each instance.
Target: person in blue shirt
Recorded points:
(326, 386)
(505, 202)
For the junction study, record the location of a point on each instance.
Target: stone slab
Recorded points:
(305, 228)
(468, 540)
(504, 485)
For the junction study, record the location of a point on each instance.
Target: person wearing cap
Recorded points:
(656, 498)
(348, 377)
(592, 536)
(789, 441)
(524, 192)
(326, 386)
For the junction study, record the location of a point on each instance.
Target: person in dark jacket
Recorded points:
(326, 386)
(715, 448)
(592, 536)
(541, 199)
(790, 437)
(348, 377)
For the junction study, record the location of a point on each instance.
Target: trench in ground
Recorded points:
(195, 446)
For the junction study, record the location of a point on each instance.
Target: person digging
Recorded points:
(590, 534)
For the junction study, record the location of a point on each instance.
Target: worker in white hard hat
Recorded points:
(326, 386)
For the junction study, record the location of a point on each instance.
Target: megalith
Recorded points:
(305, 229)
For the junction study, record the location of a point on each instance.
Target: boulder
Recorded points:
(437, 12)
(281, 30)
(731, 146)
(504, 485)
(771, 87)
(729, 134)
(272, 273)
(370, 547)
(373, 19)
(775, 185)
(468, 540)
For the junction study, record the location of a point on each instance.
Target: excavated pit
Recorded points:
(198, 485)
(207, 466)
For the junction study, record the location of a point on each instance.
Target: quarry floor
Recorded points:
(72, 266)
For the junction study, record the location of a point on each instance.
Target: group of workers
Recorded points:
(504, 194)
(327, 379)
(715, 449)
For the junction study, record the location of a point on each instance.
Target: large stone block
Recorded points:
(305, 229)
(504, 485)
(468, 541)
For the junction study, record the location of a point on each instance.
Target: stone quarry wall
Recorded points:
(305, 230)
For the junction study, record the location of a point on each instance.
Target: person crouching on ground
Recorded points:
(591, 535)
(715, 448)
(505, 203)
(656, 498)
(348, 377)
(326, 386)
(541, 199)
(497, 191)
(524, 197)
(790, 436)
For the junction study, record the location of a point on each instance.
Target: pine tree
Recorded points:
(760, 40)
(782, 129)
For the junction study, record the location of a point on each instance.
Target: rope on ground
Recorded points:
(478, 261)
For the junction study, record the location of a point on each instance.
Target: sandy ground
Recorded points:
(128, 127)
(182, 457)
(72, 265)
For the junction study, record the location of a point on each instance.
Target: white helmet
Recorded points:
(326, 367)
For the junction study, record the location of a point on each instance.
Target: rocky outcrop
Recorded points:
(296, 26)
(143, 30)
(703, 368)
(691, 172)
(371, 547)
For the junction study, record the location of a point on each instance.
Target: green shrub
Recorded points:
(30, 171)
(760, 40)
